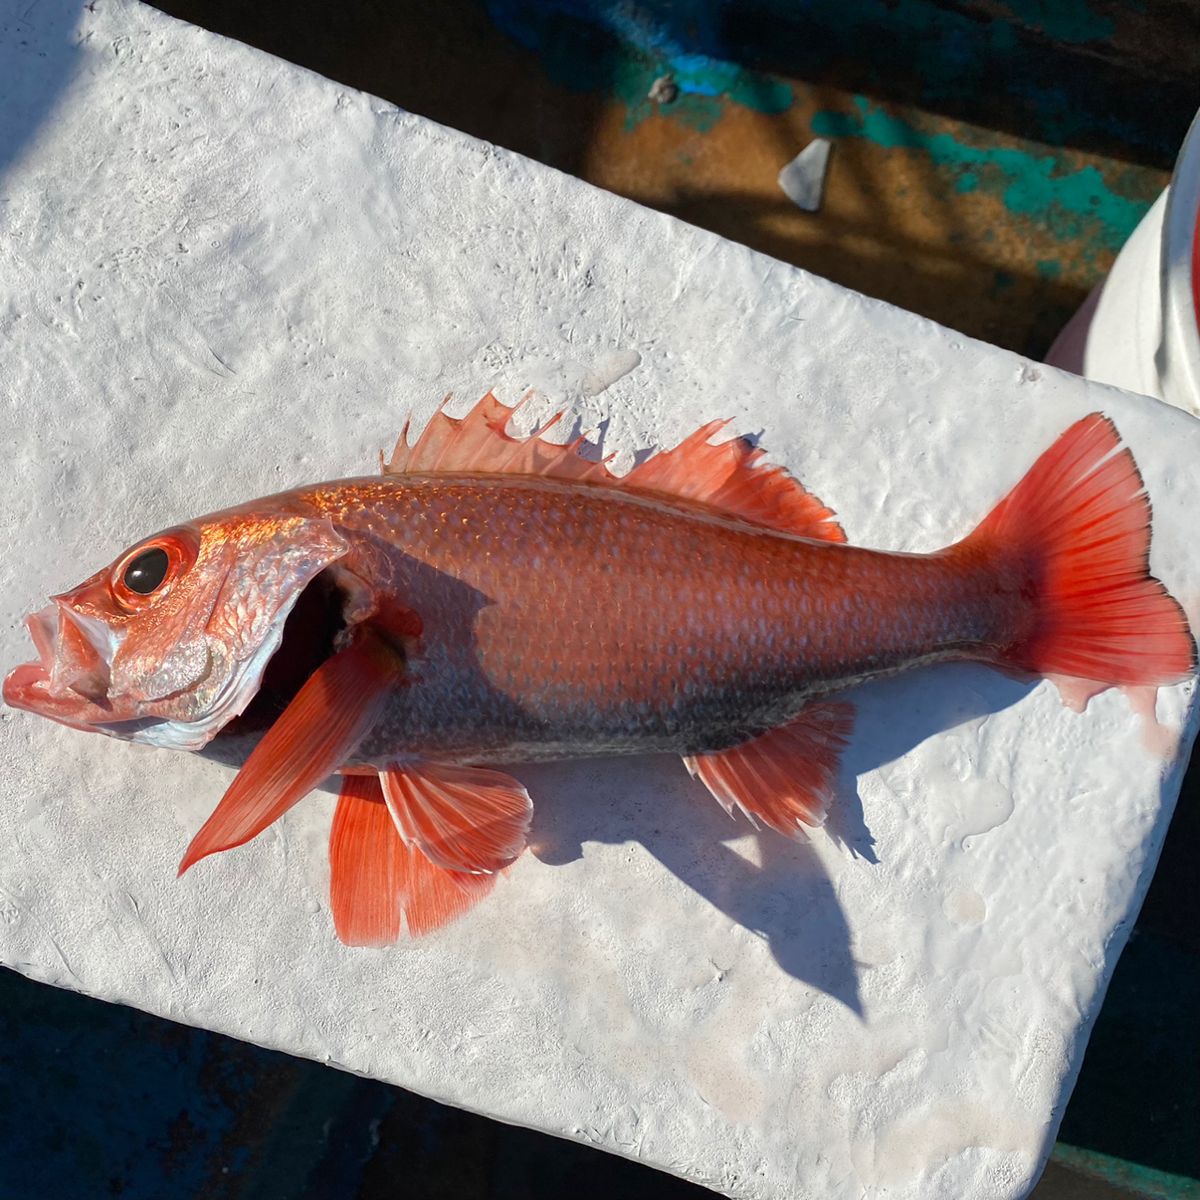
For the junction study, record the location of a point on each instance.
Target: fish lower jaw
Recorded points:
(28, 687)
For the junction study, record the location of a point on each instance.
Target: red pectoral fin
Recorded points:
(314, 736)
(375, 877)
(784, 778)
(465, 819)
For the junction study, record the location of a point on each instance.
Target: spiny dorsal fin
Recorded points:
(725, 476)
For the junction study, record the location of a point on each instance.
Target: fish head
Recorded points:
(169, 642)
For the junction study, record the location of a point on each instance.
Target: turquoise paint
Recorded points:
(1144, 1182)
(1048, 268)
(1073, 204)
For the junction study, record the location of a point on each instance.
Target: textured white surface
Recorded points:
(220, 275)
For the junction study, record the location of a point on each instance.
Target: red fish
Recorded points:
(490, 600)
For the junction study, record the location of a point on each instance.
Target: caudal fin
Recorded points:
(1075, 532)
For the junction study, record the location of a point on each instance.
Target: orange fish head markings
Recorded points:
(169, 642)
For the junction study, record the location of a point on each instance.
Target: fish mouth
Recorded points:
(28, 687)
(69, 680)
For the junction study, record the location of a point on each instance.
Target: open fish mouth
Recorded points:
(30, 686)
(69, 680)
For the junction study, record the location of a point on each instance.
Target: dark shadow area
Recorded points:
(38, 55)
(102, 1100)
(1147, 1030)
(1070, 75)
(447, 62)
(788, 899)
(1138, 1095)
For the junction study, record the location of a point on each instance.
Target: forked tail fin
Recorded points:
(1076, 535)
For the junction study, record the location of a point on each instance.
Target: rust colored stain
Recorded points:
(894, 223)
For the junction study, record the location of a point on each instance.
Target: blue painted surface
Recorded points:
(101, 1100)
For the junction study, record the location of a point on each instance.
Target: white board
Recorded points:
(221, 275)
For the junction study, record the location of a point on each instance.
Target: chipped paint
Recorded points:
(1031, 180)
(1141, 1181)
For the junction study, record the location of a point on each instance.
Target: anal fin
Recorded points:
(784, 778)
(368, 866)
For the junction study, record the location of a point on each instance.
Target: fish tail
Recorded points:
(1073, 539)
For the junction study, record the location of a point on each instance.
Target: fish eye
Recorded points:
(146, 572)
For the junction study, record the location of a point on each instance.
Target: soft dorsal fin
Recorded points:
(726, 476)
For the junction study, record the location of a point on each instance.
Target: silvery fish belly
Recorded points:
(491, 599)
